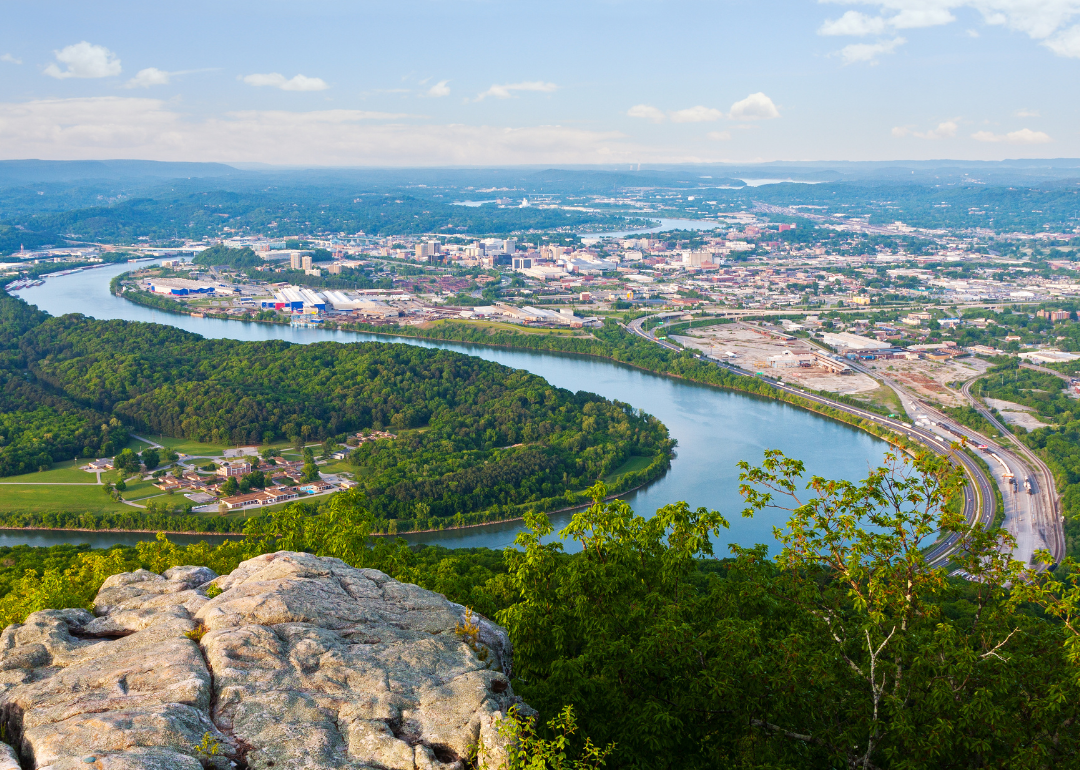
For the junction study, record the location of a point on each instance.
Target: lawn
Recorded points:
(188, 446)
(67, 471)
(635, 463)
(139, 490)
(337, 466)
(56, 498)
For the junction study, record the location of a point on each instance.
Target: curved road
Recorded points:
(979, 501)
(1046, 512)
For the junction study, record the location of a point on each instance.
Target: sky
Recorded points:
(498, 82)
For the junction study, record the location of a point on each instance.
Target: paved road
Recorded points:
(1005, 467)
(979, 501)
(1045, 526)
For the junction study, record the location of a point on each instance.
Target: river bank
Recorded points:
(715, 427)
(452, 331)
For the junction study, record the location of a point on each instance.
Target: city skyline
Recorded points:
(486, 83)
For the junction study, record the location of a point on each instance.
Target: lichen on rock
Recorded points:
(300, 662)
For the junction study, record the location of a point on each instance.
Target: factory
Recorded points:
(179, 287)
(296, 299)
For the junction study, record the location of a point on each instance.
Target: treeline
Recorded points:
(133, 520)
(348, 278)
(846, 651)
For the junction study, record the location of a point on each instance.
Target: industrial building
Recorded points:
(296, 299)
(343, 302)
(791, 359)
(179, 287)
(845, 342)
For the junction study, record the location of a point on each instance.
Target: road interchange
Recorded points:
(1040, 527)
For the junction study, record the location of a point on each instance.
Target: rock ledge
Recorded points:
(302, 663)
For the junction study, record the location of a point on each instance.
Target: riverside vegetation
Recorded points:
(476, 442)
(645, 650)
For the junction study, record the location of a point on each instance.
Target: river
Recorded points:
(714, 428)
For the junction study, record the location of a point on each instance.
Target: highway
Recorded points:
(979, 500)
(1044, 525)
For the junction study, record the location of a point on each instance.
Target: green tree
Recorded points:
(849, 650)
(127, 462)
(150, 458)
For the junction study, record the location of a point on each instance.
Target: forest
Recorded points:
(844, 649)
(475, 439)
(37, 426)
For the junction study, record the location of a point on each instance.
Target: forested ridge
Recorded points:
(37, 426)
(173, 214)
(476, 440)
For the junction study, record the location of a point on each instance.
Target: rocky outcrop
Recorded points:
(300, 662)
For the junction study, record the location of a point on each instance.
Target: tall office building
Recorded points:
(307, 262)
(295, 261)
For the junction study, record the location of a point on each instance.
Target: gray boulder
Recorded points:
(301, 662)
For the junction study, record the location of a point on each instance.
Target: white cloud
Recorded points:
(646, 111)
(1025, 113)
(853, 23)
(295, 83)
(506, 91)
(719, 136)
(439, 89)
(698, 114)
(1051, 22)
(945, 130)
(754, 107)
(1023, 136)
(10, 59)
(84, 60)
(869, 52)
(1066, 43)
(151, 76)
(108, 127)
(917, 15)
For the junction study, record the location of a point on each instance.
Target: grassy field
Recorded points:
(189, 447)
(55, 498)
(635, 463)
(60, 472)
(882, 396)
(139, 490)
(337, 466)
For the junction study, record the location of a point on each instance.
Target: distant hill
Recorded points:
(20, 172)
(601, 180)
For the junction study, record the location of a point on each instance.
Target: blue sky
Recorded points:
(450, 82)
